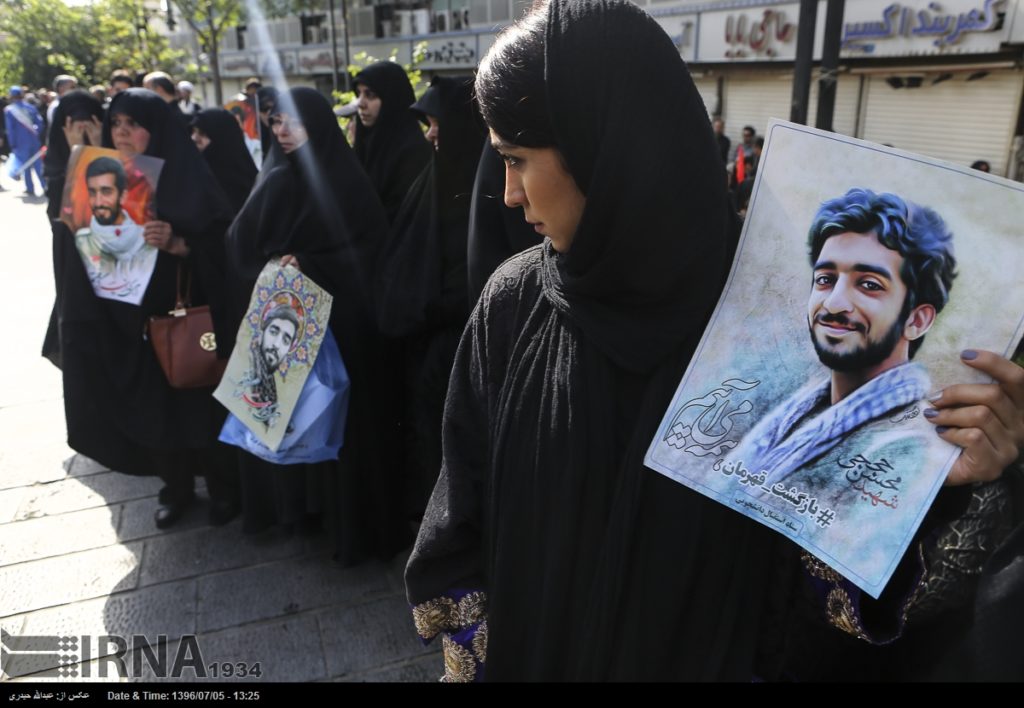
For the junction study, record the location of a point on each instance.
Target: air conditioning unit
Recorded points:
(405, 22)
(421, 21)
(442, 21)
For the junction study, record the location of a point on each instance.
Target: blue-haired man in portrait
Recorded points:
(882, 269)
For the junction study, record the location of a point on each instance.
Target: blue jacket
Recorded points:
(23, 140)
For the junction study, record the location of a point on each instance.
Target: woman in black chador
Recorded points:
(548, 551)
(421, 284)
(77, 120)
(315, 208)
(218, 136)
(389, 141)
(120, 409)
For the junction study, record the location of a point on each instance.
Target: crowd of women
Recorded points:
(509, 420)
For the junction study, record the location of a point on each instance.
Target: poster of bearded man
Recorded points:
(278, 343)
(107, 200)
(861, 275)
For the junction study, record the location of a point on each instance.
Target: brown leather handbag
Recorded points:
(185, 344)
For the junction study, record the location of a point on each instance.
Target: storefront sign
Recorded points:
(451, 54)
(766, 33)
(938, 23)
(751, 38)
(318, 61)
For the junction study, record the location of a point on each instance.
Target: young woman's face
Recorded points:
(289, 131)
(536, 179)
(433, 131)
(368, 106)
(201, 139)
(129, 137)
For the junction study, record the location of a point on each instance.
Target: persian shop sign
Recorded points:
(758, 34)
(870, 28)
(937, 27)
(757, 39)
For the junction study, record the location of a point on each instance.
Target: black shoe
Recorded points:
(169, 514)
(221, 512)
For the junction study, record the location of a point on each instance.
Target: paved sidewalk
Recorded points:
(80, 555)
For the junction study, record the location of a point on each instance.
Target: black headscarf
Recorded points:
(226, 155)
(596, 567)
(393, 152)
(422, 270)
(266, 99)
(649, 256)
(188, 196)
(77, 105)
(315, 202)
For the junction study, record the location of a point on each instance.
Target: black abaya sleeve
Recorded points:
(447, 554)
(446, 576)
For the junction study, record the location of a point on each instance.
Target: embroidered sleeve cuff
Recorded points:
(843, 604)
(461, 617)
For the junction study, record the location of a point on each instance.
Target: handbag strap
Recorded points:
(181, 304)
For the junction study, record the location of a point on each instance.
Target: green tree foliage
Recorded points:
(43, 38)
(209, 19)
(130, 42)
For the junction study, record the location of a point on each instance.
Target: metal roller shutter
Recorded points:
(708, 90)
(754, 99)
(956, 120)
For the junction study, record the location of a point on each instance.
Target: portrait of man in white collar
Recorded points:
(117, 259)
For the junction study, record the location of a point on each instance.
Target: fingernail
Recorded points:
(930, 412)
(941, 429)
(968, 354)
(935, 396)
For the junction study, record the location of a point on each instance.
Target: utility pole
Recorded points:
(829, 79)
(804, 58)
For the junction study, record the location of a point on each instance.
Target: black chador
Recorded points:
(120, 409)
(593, 566)
(226, 155)
(421, 283)
(317, 205)
(392, 151)
(78, 105)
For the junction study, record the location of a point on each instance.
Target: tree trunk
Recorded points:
(218, 91)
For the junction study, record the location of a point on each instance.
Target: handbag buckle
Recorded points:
(178, 312)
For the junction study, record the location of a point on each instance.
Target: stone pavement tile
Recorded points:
(168, 610)
(84, 493)
(137, 519)
(23, 467)
(34, 424)
(81, 466)
(10, 502)
(427, 669)
(76, 576)
(286, 650)
(56, 535)
(363, 637)
(287, 587)
(208, 549)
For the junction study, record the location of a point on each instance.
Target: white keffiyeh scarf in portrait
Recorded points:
(791, 435)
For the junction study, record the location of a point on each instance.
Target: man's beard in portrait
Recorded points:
(106, 216)
(266, 389)
(867, 356)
